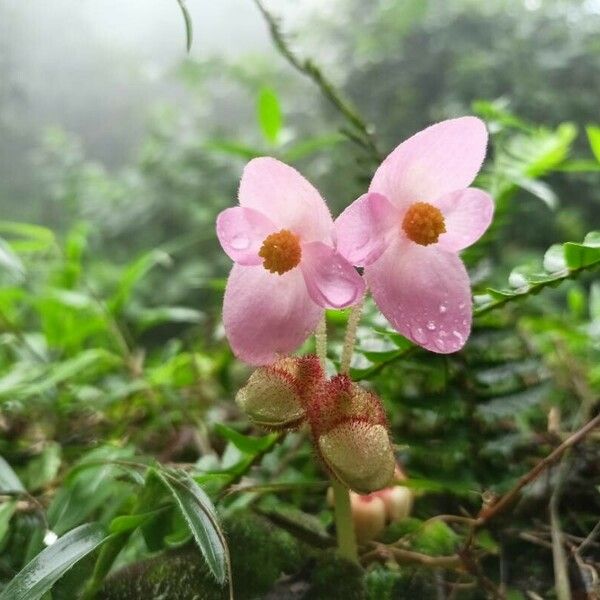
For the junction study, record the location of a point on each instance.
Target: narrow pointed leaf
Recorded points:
(9, 482)
(201, 517)
(269, 114)
(39, 575)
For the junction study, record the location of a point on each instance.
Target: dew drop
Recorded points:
(443, 308)
(459, 336)
(441, 344)
(431, 326)
(461, 305)
(419, 335)
(443, 333)
(517, 280)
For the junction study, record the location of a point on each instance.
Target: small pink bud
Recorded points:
(368, 514)
(350, 432)
(275, 396)
(398, 502)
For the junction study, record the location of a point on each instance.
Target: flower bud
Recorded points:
(275, 396)
(368, 514)
(350, 432)
(398, 502)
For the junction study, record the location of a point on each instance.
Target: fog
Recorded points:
(95, 68)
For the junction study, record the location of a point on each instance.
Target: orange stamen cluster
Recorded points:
(281, 252)
(423, 223)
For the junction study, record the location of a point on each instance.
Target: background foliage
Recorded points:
(117, 427)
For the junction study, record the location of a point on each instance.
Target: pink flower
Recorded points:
(286, 269)
(408, 229)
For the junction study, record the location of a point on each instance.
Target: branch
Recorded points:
(381, 552)
(307, 67)
(507, 499)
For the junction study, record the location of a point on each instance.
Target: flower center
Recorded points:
(423, 223)
(281, 252)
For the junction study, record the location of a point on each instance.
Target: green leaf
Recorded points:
(133, 274)
(33, 581)
(587, 254)
(269, 114)
(189, 32)
(130, 522)
(7, 510)
(244, 443)
(151, 317)
(312, 145)
(576, 257)
(10, 262)
(233, 148)
(9, 482)
(593, 133)
(201, 517)
(28, 237)
(44, 468)
(92, 361)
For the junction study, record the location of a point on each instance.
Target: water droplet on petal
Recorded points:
(431, 326)
(459, 336)
(443, 333)
(440, 344)
(419, 335)
(461, 305)
(443, 308)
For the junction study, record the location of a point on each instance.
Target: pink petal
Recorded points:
(241, 232)
(266, 314)
(364, 229)
(290, 201)
(438, 160)
(424, 292)
(468, 213)
(331, 281)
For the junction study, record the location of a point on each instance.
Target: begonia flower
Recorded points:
(286, 269)
(408, 229)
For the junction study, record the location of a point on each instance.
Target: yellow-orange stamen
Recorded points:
(281, 252)
(423, 223)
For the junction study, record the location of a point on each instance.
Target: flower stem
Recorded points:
(350, 337)
(344, 525)
(321, 341)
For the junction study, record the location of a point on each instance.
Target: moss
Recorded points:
(381, 583)
(336, 578)
(260, 553)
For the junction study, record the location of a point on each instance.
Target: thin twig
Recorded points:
(507, 499)
(559, 556)
(307, 67)
(589, 538)
(382, 553)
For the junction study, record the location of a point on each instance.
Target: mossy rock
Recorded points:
(260, 554)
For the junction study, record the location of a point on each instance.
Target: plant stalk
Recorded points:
(344, 525)
(350, 337)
